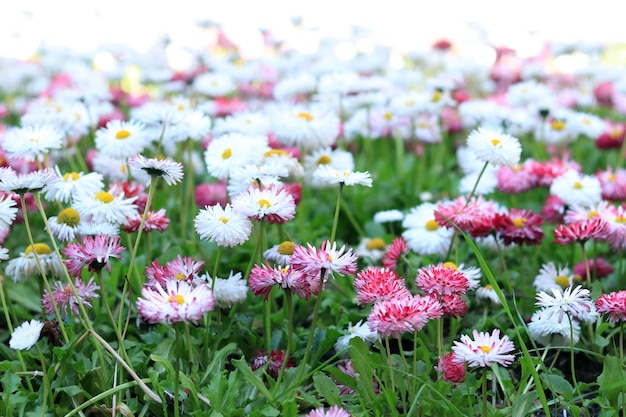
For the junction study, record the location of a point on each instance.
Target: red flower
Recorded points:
(441, 280)
(519, 227)
(613, 304)
(395, 250)
(594, 228)
(376, 284)
(451, 370)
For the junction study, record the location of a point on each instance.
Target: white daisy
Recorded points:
(487, 294)
(65, 226)
(224, 226)
(170, 171)
(120, 139)
(265, 175)
(423, 233)
(233, 150)
(26, 335)
(8, 211)
(292, 86)
(550, 277)
(104, 206)
(361, 330)
(273, 205)
(214, 84)
(576, 189)
(325, 174)
(70, 183)
(494, 147)
(34, 181)
(25, 266)
(32, 142)
(547, 329)
(388, 216)
(230, 291)
(246, 123)
(307, 128)
(281, 254)
(574, 302)
(373, 249)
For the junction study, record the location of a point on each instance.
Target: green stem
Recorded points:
(484, 399)
(586, 262)
(390, 364)
(572, 366)
(333, 233)
(45, 383)
(177, 371)
(316, 309)
(289, 313)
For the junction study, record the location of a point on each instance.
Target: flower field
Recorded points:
(302, 234)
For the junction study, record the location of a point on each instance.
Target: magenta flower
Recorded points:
(94, 253)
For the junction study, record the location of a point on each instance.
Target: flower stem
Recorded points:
(586, 262)
(484, 399)
(316, 309)
(289, 313)
(177, 371)
(333, 233)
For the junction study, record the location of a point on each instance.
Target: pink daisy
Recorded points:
(614, 305)
(519, 227)
(615, 218)
(263, 279)
(516, 179)
(394, 251)
(442, 279)
(547, 171)
(325, 261)
(334, 411)
(598, 267)
(451, 370)
(453, 305)
(399, 315)
(65, 298)
(177, 301)
(484, 349)
(460, 212)
(613, 184)
(594, 228)
(553, 209)
(155, 220)
(95, 253)
(377, 284)
(274, 360)
(181, 269)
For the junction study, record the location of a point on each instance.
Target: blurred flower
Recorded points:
(613, 305)
(274, 360)
(104, 206)
(519, 226)
(552, 277)
(228, 292)
(334, 411)
(488, 294)
(576, 189)
(451, 370)
(547, 329)
(360, 330)
(598, 267)
(26, 265)
(388, 216)
(8, 211)
(281, 253)
(372, 249)
(32, 142)
(26, 335)
(424, 234)
(395, 250)
(72, 183)
(65, 298)
(494, 147)
(328, 175)
(594, 228)
(121, 139)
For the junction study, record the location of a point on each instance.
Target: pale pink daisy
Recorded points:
(155, 221)
(95, 253)
(613, 305)
(376, 284)
(573, 302)
(516, 179)
(325, 261)
(274, 205)
(263, 278)
(613, 184)
(66, 299)
(484, 350)
(177, 301)
(181, 269)
(334, 411)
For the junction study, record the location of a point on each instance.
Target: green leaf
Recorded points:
(326, 388)
(251, 377)
(361, 360)
(559, 385)
(523, 403)
(611, 380)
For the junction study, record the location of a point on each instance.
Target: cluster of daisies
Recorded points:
(250, 135)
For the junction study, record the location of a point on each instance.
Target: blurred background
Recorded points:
(404, 25)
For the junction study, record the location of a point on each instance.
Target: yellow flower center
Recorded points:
(388, 116)
(593, 214)
(227, 153)
(263, 203)
(178, 298)
(69, 216)
(562, 281)
(105, 197)
(122, 134)
(557, 125)
(620, 219)
(451, 265)
(71, 176)
(409, 103)
(223, 219)
(615, 133)
(611, 177)
(485, 349)
(277, 152)
(286, 248)
(33, 140)
(432, 225)
(376, 243)
(519, 222)
(495, 142)
(181, 107)
(180, 277)
(306, 116)
(436, 96)
(489, 287)
(324, 160)
(39, 249)
(577, 279)
(578, 185)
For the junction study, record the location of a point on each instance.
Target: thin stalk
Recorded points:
(177, 372)
(572, 366)
(586, 262)
(484, 389)
(189, 344)
(316, 309)
(45, 383)
(289, 313)
(10, 326)
(390, 364)
(333, 233)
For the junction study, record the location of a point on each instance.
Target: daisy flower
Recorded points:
(263, 278)
(488, 294)
(65, 299)
(552, 277)
(372, 249)
(423, 233)
(32, 142)
(155, 220)
(121, 140)
(613, 184)
(516, 179)
(360, 330)
(399, 315)
(576, 189)
(594, 228)
(598, 267)
(451, 369)
(70, 184)
(334, 411)
(613, 305)
(224, 226)
(35, 181)
(326, 174)
(177, 301)
(270, 204)
(26, 266)
(395, 250)
(519, 226)
(170, 171)
(228, 292)
(573, 302)
(545, 328)
(266, 175)
(494, 147)
(484, 350)
(442, 279)
(233, 150)
(104, 206)
(325, 261)
(377, 284)
(181, 269)
(306, 128)
(65, 225)
(281, 253)
(95, 253)
(214, 84)
(26, 335)
(8, 211)
(388, 216)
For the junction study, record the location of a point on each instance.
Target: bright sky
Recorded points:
(406, 24)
